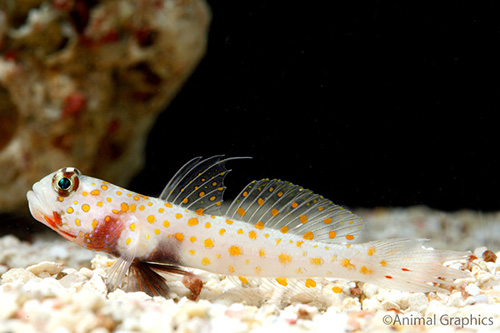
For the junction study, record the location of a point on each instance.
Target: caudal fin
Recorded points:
(404, 265)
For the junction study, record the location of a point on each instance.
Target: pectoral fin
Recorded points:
(143, 276)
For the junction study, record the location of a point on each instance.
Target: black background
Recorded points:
(379, 103)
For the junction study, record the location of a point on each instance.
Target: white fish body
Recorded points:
(273, 230)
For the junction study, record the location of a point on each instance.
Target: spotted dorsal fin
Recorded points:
(290, 208)
(199, 185)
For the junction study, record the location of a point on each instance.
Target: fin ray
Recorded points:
(404, 264)
(199, 184)
(142, 277)
(287, 207)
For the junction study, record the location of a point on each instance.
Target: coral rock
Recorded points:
(82, 81)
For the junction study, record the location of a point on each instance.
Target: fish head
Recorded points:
(48, 200)
(70, 204)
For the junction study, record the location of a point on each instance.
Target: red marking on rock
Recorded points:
(74, 104)
(10, 55)
(64, 5)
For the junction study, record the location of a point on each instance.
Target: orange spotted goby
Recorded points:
(273, 230)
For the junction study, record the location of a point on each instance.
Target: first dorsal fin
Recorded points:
(290, 208)
(199, 184)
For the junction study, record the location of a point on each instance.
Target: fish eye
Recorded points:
(66, 181)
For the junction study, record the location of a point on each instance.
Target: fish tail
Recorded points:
(405, 265)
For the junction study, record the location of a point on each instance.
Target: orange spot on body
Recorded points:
(303, 219)
(347, 264)
(308, 235)
(371, 251)
(349, 237)
(209, 243)
(179, 236)
(383, 263)
(192, 221)
(274, 212)
(337, 290)
(310, 283)
(252, 235)
(364, 270)
(235, 250)
(284, 229)
(316, 261)
(282, 281)
(284, 258)
(259, 225)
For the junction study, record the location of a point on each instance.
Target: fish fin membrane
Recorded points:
(290, 208)
(141, 277)
(199, 184)
(405, 265)
(276, 290)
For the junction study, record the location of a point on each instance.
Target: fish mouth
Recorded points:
(52, 220)
(35, 206)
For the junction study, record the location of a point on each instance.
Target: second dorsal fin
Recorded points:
(290, 208)
(199, 184)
